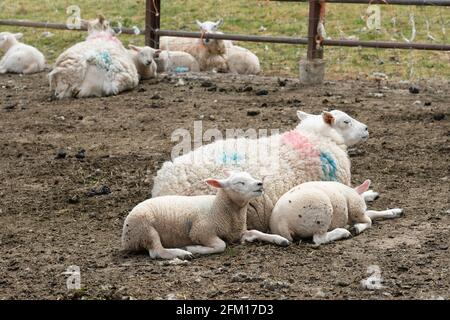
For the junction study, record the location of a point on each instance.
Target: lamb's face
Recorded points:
(6, 38)
(209, 27)
(350, 129)
(145, 55)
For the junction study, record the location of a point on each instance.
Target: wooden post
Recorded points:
(314, 17)
(152, 22)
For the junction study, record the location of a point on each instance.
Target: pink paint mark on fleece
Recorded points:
(104, 36)
(300, 143)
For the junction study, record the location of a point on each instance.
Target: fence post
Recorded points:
(152, 22)
(312, 70)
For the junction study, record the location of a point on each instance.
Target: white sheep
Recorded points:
(242, 61)
(144, 60)
(171, 61)
(321, 210)
(315, 150)
(98, 66)
(19, 57)
(203, 50)
(200, 224)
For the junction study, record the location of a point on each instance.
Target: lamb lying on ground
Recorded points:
(236, 60)
(321, 210)
(144, 60)
(171, 61)
(99, 66)
(19, 57)
(203, 50)
(200, 224)
(315, 150)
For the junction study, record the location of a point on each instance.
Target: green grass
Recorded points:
(247, 17)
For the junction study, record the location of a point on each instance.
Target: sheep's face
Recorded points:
(6, 38)
(145, 55)
(100, 24)
(239, 186)
(209, 27)
(351, 130)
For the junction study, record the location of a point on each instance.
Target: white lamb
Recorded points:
(171, 61)
(144, 60)
(19, 57)
(199, 223)
(237, 60)
(321, 210)
(315, 150)
(203, 50)
(99, 66)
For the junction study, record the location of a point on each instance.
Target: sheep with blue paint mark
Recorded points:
(98, 66)
(316, 150)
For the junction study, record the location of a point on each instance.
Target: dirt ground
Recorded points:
(50, 219)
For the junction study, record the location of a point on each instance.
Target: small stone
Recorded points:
(439, 116)
(247, 89)
(61, 154)
(262, 92)
(253, 113)
(81, 154)
(10, 105)
(142, 89)
(156, 97)
(74, 199)
(207, 84)
(427, 103)
(414, 89)
(211, 117)
(282, 83)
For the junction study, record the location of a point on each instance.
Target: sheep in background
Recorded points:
(171, 61)
(98, 66)
(199, 223)
(144, 60)
(203, 50)
(242, 61)
(19, 57)
(315, 150)
(321, 210)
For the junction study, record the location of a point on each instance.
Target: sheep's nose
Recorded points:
(366, 129)
(259, 184)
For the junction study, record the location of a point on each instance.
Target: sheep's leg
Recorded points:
(158, 251)
(385, 214)
(252, 235)
(336, 234)
(216, 245)
(370, 195)
(32, 68)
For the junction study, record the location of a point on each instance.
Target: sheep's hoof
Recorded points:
(283, 243)
(397, 213)
(353, 231)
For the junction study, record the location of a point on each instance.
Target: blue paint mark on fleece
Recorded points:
(232, 158)
(329, 167)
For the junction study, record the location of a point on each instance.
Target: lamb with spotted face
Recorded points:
(198, 224)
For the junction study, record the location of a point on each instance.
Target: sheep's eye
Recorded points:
(241, 183)
(346, 121)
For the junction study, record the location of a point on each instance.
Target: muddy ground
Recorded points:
(50, 219)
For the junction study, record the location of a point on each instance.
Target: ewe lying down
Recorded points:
(321, 210)
(200, 224)
(316, 150)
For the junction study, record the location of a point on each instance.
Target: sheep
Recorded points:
(242, 61)
(144, 60)
(19, 57)
(171, 61)
(203, 50)
(98, 66)
(200, 224)
(321, 210)
(314, 150)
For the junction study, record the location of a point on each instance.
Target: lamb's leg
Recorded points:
(252, 235)
(385, 214)
(214, 245)
(156, 250)
(336, 234)
(32, 68)
(370, 195)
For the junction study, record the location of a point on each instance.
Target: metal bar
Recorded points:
(314, 13)
(444, 3)
(58, 26)
(152, 22)
(237, 37)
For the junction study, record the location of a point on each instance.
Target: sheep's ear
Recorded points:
(218, 24)
(302, 115)
(227, 172)
(199, 23)
(364, 187)
(328, 118)
(18, 36)
(214, 183)
(101, 18)
(134, 48)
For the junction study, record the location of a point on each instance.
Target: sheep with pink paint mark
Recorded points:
(316, 150)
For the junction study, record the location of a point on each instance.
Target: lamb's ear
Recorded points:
(199, 23)
(227, 172)
(364, 187)
(156, 53)
(101, 18)
(214, 183)
(328, 118)
(303, 115)
(218, 24)
(18, 36)
(134, 48)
